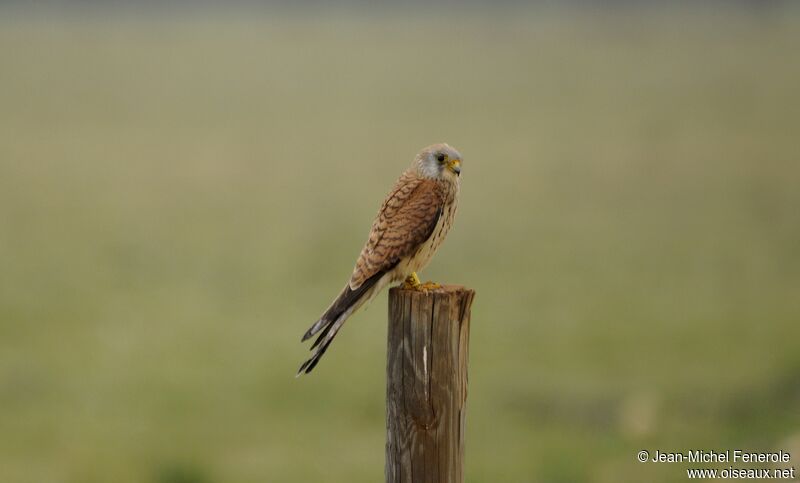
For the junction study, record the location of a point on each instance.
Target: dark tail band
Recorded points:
(332, 320)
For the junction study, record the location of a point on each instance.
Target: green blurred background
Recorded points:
(182, 192)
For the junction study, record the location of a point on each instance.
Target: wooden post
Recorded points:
(426, 384)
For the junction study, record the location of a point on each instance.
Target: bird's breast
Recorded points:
(425, 252)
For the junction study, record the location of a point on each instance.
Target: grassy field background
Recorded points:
(181, 195)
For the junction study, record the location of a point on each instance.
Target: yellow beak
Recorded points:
(455, 166)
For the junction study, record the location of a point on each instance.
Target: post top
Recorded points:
(444, 289)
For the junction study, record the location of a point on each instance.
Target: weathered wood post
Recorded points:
(426, 384)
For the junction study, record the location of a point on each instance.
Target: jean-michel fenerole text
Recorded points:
(726, 456)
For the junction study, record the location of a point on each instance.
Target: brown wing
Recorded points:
(406, 219)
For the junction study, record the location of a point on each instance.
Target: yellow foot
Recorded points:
(412, 282)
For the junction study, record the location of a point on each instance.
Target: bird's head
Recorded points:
(438, 161)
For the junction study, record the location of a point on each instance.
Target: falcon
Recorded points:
(411, 225)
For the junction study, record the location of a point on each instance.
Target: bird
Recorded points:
(411, 224)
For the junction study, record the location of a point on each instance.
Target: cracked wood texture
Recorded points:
(426, 384)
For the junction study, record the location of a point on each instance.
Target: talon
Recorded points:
(412, 282)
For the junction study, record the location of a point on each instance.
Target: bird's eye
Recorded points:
(440, 157)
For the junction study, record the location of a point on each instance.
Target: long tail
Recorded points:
(332, 320)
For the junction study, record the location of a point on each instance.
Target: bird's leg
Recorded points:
(412, 282)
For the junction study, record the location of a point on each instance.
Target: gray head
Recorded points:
(438, 161)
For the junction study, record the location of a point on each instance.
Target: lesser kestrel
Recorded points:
(411, 225)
